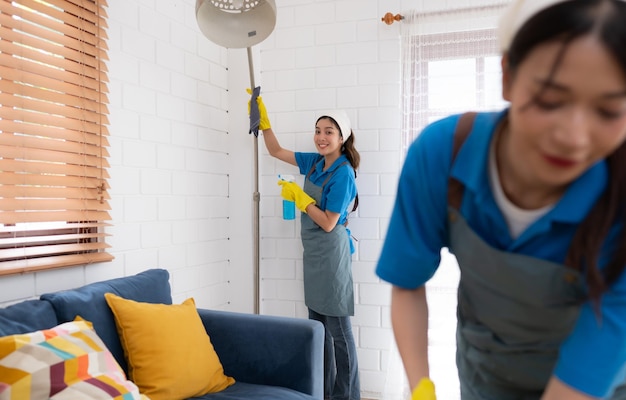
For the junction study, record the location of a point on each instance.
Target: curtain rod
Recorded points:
(390, 18)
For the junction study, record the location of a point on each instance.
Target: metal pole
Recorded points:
(256, 197)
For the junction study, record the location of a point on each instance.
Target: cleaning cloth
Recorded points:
(255, 115)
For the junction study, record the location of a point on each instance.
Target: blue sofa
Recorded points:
(271, 358)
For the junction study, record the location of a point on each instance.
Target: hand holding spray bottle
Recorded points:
(289, 207)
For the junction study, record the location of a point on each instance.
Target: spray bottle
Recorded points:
(289, 207)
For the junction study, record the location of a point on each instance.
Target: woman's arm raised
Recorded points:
(274, 148)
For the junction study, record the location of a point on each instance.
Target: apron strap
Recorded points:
(463, 128)
(308, 175)
(330, 175)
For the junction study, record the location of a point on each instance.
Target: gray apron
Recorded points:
(328, 288)
(514, 311)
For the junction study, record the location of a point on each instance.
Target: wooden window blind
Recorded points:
(53, 135)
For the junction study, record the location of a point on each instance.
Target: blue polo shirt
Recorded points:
(340, 190)
(592, 359)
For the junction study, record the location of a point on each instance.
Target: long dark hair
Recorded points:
(565, 22)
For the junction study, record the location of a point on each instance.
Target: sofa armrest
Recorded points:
(269, 350)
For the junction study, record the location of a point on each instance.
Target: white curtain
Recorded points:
(450, 64)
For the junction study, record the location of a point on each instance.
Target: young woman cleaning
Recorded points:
(329, 189)
(531, 201)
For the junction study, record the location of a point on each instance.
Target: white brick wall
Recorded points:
(334, 54)
(170, 166)
(181, 156)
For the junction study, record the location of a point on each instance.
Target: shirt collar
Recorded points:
(471, 169)
(319, 166)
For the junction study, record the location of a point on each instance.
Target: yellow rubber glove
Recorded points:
(425, 390)
(292, 192)
(264, 123)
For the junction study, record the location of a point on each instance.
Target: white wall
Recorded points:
(170, 161)
(325, 55)
(182, 159)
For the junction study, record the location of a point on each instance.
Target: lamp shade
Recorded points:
(236, 23)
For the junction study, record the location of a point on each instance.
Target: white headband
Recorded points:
(516, 15)
(341, 118)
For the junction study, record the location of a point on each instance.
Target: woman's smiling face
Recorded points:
(566, 114)
(327, 137)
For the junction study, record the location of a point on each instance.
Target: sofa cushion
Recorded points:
(242, 390)
(27, 316)
(169, 354)
(67, 361)
(269, 350)
(151, 286)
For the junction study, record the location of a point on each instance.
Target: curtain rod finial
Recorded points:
(389, 18)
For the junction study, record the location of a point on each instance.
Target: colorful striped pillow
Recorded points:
(68, 361)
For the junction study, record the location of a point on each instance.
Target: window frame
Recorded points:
(53, 133)
(441, 47)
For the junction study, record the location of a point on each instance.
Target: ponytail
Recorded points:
(351, 153)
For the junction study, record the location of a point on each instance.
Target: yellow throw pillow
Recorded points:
(169, 353)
